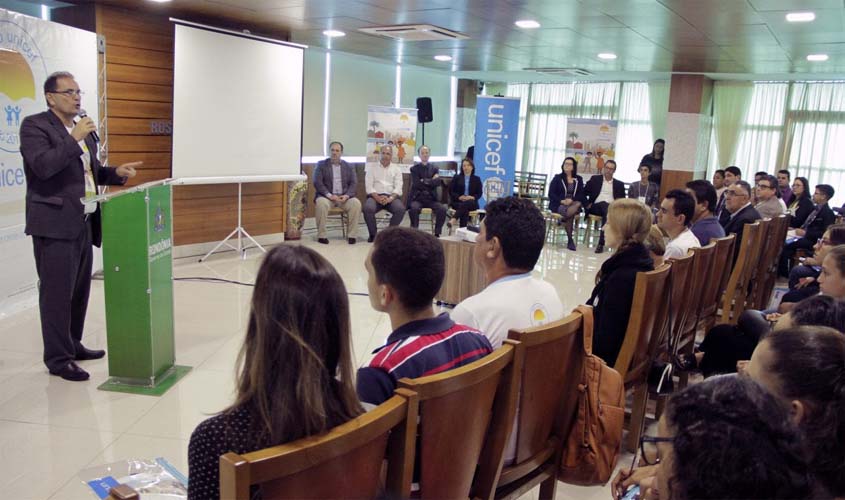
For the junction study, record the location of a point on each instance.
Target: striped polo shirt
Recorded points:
(417, 349)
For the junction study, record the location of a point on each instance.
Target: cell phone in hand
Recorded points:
(632, 494)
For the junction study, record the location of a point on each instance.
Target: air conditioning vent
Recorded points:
(414, 32)
(561, 71)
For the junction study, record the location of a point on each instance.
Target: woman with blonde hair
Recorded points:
(628, 226)
(656, 245)
(296, 373)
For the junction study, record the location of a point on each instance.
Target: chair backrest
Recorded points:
(649, 311)
(455, 412)
(346, 462)
(771, 254)
(736, 293)
(720, 271)
(760, 263)
(680, 292)
(702, 265)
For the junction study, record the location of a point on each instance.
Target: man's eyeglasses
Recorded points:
(764, 186)
(68, 92)
(735, 193)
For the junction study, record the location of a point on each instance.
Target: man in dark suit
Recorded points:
(336, 184)
(61, 167)
(813, 228)
(600, 191)
(425, 180)
(732, 174)
(741, 212)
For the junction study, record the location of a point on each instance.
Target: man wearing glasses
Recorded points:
(738, 204)
(61, 167)
(769, 203)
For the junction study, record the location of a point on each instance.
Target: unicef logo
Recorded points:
(23, 70)
(494, 188)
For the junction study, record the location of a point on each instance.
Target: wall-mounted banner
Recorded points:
(394, 126)
(591, 142)
(30, 49)
(496, 132)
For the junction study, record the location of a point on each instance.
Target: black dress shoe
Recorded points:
(324, 241)
(83, 354)
(351, 241)
(371, 239)
(71, 371)
(600, 249)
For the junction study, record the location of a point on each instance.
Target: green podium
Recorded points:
(138, 272)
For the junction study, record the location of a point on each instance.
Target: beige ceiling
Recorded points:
(649, 36)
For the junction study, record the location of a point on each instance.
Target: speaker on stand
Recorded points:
(424, 114)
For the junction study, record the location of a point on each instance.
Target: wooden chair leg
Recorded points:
(548, 488)
(638, 409)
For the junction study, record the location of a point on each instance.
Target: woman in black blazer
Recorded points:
(464, 193)
(628, 225)
(566, 195)
(802, 203)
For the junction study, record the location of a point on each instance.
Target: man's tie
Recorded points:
(811, 218)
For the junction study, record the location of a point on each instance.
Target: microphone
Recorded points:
(83, 114)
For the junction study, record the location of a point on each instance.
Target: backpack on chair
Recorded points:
(592, 447)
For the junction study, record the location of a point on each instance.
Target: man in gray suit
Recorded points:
(336, 184)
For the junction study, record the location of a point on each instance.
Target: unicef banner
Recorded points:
(591, 142)
(496, 132)
(396, 127)
(31, 49)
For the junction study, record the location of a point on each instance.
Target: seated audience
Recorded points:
(813, 228)
(732, 174)
(295, 378)
(769, 204)
(405, 269)
(656, 245)
(719, 183)
(728, 437)
(425, 179)
(783, 186)
(384, 191)
(645, 190)
(805, 367)
(600, 191)
(628, 226)
(802, 204)
(655, 161)
(464, 193)
(802, 278)
(738, 206)
(705, 225)
(674, 218)
(566, 196)
(335, 184)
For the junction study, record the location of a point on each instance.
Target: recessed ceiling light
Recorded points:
(817, 57)
(607, 55)
(800, 17)
(334, 33)
(443, 57)
(527, 23)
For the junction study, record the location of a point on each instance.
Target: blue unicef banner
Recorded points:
(496, 133)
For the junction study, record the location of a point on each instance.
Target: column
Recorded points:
(688, 125)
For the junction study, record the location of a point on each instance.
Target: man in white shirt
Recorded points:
(508, 246)
(674, 217)
(600, 190)
(384, 191)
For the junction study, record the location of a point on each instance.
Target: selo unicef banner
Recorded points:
(496, 133)
(31, 49)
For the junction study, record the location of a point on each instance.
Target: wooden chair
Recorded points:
(344, 220)
(714, 289)
(736, 294)
(346, 462)
(759, 262)
(593, 224)
(456, 409)
(771, 254)
(649, 312)
(430, 213)
(548, 397)
(683, 333)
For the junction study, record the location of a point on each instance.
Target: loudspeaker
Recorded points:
(424, 114)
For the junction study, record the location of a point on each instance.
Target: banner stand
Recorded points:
(138, 271)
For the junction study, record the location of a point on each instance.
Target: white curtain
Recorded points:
(635, 135)
(759, 141)
(731, 101)
(658, 96)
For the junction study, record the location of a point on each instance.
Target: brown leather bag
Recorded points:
(592, 447)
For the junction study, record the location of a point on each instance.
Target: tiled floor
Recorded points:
(51, 429)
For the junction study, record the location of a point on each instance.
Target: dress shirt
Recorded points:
(606, 194)
(384, 180)
(337, 179)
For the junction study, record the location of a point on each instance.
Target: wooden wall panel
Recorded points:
(140, 92)
(138, 74)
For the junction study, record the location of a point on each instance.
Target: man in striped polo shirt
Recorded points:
(405, 269)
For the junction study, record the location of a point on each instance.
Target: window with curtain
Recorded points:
(544, 109)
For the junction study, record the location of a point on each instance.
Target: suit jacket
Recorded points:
(55, 181)
(593, 189)
(558, 191)
(816, 228)
(801, 211)
(736, 225)
(456, 188)
(324, 179)
(423, 186)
